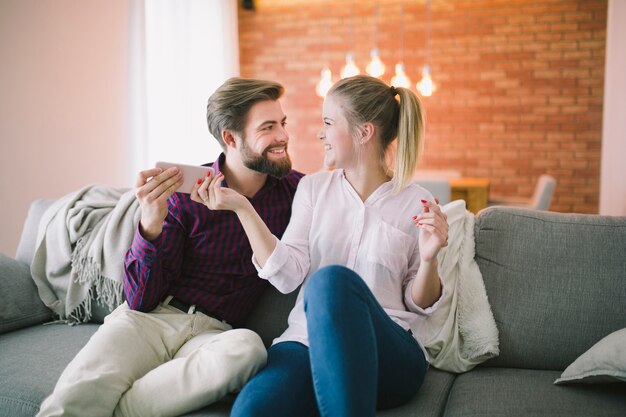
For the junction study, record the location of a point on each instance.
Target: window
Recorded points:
(181, 51)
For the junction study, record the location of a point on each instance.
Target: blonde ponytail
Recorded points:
(410, 137)
(368, 99)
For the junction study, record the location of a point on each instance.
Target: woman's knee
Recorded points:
(328, 283)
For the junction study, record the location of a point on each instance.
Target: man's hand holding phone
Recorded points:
(156, 185)
(191, 174)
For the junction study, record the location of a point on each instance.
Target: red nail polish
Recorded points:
(423, 201)
(208, 173)
(199, 182)
(414, 217)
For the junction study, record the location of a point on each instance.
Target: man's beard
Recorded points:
(261, 163)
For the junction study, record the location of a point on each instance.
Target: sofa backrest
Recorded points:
(269, 317)
(556, 282)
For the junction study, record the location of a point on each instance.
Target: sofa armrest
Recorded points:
(20, 305)
(26, 247)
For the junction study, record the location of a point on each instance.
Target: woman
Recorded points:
(364, 243)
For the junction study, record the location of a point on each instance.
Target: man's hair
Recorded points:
(228, 106)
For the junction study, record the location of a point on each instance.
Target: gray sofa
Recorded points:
(556, 284)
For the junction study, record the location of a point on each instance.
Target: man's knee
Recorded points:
(246, 344)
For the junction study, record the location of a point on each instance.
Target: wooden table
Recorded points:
(475, 192)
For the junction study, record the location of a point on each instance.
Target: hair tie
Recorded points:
(393, 90)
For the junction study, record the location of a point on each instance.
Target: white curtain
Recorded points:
(180, 52)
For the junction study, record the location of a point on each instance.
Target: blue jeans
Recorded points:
(358, 359)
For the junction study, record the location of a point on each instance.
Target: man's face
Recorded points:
(263, 147)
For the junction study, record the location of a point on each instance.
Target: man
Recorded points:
(189, 278)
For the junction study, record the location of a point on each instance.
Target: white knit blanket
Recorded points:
(462, 331)
(80, 248)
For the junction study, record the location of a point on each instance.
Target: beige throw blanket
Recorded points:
(80, 248)
(462, 331)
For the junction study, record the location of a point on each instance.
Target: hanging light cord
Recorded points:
(376, 20)
(326, 60)
(352, 20)
(427, 31)
(402, 31)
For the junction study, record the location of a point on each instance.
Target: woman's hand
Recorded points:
(433, 224)
(434, 230)
(215, 197)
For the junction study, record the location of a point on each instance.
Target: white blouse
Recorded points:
(377, 239)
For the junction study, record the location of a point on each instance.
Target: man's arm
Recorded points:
(155, 256)
(150, 266)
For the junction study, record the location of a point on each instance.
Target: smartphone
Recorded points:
(191, 174)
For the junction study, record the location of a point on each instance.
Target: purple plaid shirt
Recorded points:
(203, 256)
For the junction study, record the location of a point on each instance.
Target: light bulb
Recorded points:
(400, 79)
(350, 69)
(375, 68)
(325, 83)
(425, 86)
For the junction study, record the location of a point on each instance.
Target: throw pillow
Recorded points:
(21, 305)
(604, 362)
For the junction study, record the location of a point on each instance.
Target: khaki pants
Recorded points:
(162, 363)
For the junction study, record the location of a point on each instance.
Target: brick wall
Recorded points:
(520, 82)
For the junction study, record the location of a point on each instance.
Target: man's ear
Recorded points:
(366, 132)
(229, 138)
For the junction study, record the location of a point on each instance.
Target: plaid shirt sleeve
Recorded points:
(150, 266)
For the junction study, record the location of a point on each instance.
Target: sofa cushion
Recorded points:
(20, 306)
(556, 282)
(429, 401)
(32, 360)
(524, 392)
(604, 362)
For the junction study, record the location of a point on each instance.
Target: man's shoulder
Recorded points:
(292, 179)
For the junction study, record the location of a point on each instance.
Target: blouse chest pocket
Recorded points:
(390, 248)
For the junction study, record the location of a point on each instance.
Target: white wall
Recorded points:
(63, 102)
(613, 173)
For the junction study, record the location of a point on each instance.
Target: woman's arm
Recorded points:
(284, 263)
(261, 239)
(215, 197)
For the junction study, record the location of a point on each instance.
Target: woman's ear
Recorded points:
(228, 138)
(367, 132)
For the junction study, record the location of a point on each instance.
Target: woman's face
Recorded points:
(335, 133)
